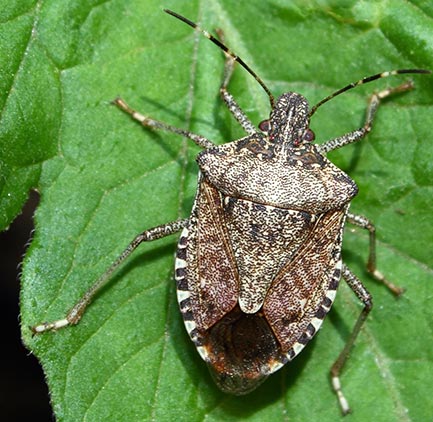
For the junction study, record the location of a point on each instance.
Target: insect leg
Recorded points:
(148, 122)
(77, 311)
(231, 103)
(363, 222)
(372, 107)
(365, 297)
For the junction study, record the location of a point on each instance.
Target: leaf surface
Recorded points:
(103, 179)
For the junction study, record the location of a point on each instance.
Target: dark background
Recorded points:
(23, 392)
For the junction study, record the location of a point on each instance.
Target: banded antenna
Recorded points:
(268, 92)
(226, 50)
(364, 81)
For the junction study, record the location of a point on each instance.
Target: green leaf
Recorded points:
(103, 179)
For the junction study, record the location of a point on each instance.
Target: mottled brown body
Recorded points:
(259, 263)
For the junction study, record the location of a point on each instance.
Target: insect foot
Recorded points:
(258, 261)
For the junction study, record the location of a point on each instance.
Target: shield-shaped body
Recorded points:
(258, 266)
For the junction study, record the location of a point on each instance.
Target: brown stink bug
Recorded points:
(259, 259)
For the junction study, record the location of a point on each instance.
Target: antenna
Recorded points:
(226, 50)
(364, 81)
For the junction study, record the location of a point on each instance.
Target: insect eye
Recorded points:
(265, 126)
(309, 135)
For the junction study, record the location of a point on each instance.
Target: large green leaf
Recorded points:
(103, 179)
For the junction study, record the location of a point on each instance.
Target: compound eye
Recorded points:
(265, 126)
(309, 135)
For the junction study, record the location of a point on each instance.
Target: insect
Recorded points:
(259, 259)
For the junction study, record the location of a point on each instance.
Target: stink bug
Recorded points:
(259, 259)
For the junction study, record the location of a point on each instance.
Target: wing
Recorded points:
(303, 291)
(211, 272)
